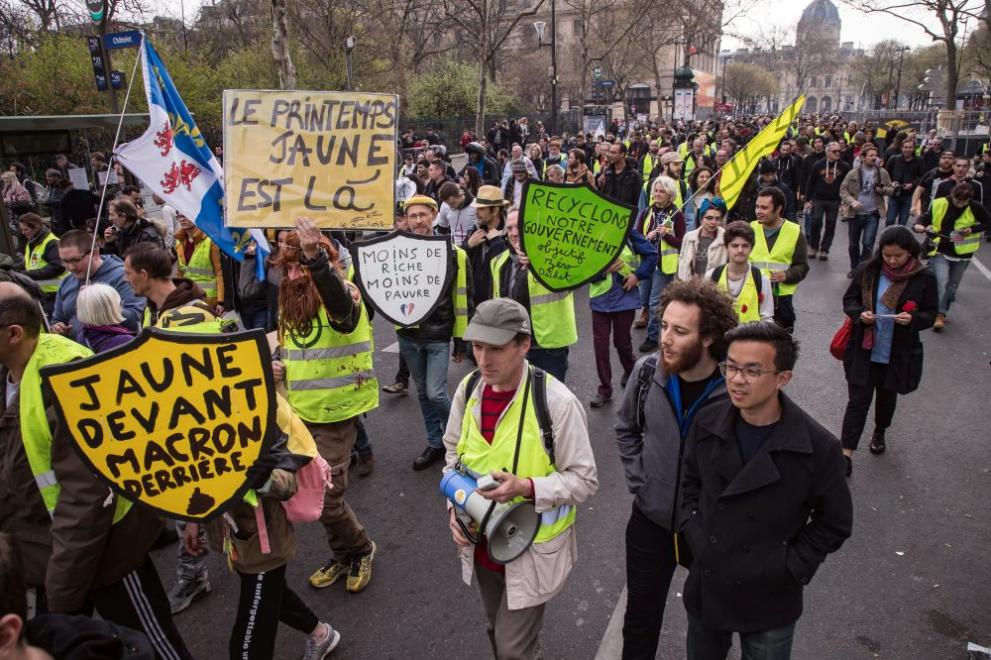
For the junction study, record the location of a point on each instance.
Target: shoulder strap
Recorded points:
(758, 278)
(644, 378)
(543, 413)
(473, 379)
(717, 273)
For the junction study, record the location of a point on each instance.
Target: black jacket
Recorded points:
(479, 259)
(623, 187)
(758, 531)
(825, 179)
(905, 366)
(439, 326)
(903, 172)
(491, 175)
(141, 231)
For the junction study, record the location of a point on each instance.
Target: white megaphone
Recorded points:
(509, 528)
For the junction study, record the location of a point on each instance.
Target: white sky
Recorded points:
(862, 29)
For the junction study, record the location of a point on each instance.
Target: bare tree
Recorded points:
(746, 83)
(280, 46)
(875, 70)
(488, 24)
(946, 19)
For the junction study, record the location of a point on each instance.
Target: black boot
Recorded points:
(877, 442)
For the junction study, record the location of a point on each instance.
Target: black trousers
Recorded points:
(784, 312)
(650, 564)
(402, 374)
(139, 602)
(265, 600)
(859, 404)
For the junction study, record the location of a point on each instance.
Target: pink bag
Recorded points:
(312, 481)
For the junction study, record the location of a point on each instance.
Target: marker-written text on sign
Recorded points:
(327, 155)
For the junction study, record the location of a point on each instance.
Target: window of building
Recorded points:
(829, 81)
(576, 27)
(812, 82)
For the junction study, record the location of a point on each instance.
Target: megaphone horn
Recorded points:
(509, 528)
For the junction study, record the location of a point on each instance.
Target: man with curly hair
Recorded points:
(664, 397)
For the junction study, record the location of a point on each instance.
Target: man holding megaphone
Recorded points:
(519, 461)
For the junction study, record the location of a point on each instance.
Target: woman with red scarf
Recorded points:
(892, 297)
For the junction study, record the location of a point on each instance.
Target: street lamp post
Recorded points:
(539, 26)
(898, 84)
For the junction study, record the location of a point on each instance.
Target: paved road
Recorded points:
(912, 583)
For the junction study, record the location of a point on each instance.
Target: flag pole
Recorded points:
(110, 162)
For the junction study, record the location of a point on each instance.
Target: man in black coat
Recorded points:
(764, 500)
(619, 180)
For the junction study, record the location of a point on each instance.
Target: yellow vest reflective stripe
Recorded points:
(970, 243)
(34, 258)
(200, 267)
(481, 457)
(778, 259)
(629, 263)
(667, 253)
(552, 313)
(747, 304)
(329, 374)
(36, 435)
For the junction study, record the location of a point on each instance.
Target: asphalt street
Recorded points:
(912, 582)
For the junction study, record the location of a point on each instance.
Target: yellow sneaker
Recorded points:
(329, 574)
(361, 572)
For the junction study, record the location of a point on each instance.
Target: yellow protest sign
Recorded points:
(170, 420)
(330, 156)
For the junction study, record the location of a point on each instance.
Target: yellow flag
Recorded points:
(737, 171)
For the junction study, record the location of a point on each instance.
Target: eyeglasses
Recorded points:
(730, 370)
(77, 260)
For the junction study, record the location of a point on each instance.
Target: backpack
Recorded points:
(539, 403)
(717, 273)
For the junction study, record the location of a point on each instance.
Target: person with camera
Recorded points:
(498, 425)
(905, 170)
(862, 204)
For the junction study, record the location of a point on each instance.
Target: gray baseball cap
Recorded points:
(497, 322)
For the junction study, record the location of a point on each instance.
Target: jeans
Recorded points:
(618, 324)
(552, 360)
(650, 566)
(859, 404)
(427, 362)
(862, 230)
(706, 644)
(948, 275)
(657, 283)
(898, 208)
(820, 239)
(362, 445)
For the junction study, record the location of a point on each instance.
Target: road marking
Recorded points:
(391, 348)
(611, 646)
(981, 267)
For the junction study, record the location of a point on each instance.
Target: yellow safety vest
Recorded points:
(778, 259)
(747, 304)
(329, 374)
(629, 264)
(668, 254)
(481, 457)
(34, 258)
(36, 435)
(648, 166)
(552, 313)
(970, 243)
(200, 267)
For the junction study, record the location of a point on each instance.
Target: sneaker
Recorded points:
(641, 321)
(361, 572)
(939, 323)
(823, 256)
(320, 650)
(185, 592)
(396, 388)
(648, 346)
(328, 574)
(877, 442)
(600, 401)
(366, 464)
(813, 254)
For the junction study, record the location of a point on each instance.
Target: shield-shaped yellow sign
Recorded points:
(172, 421)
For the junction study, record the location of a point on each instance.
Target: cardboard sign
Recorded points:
(172, 421)
(403, 275)
(329, 156)
(570, 233)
